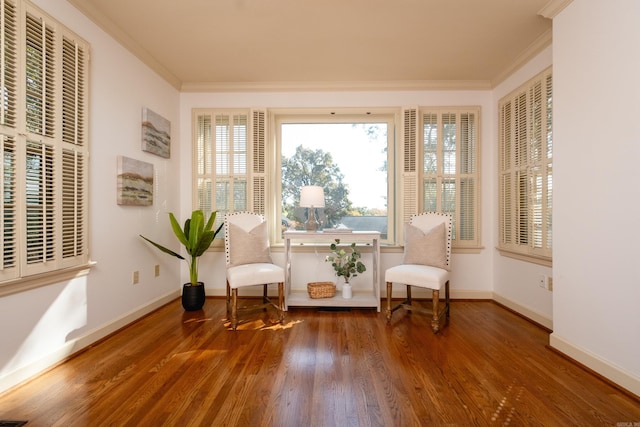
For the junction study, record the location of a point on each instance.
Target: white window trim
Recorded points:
(333, 115)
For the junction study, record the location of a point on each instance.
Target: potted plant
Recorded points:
(346, 262)
(196, 236)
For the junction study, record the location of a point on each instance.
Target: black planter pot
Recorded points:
(193, 296)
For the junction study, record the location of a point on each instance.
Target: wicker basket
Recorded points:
(321, 289)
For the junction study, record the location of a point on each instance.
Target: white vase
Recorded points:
(346, 291)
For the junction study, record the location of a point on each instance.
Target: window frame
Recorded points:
(524, 129)
(254, 176)
(44, 209)
(337, 116)
(404, 164)
(413, 170)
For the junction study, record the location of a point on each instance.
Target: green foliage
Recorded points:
(195, 236)
(314, 167)
(346, 261)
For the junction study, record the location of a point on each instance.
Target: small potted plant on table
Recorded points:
(346, 263)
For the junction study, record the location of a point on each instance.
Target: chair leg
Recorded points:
(389, 310)
(281, 312)
(228, 300)
(435, 320)
(265, 297)
(408, 295)
(234, 309)
(446, 297)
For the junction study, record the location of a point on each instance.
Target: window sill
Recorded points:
(547, 262)
(310, 247)
(32, 282)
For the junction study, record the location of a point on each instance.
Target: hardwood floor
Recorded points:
(488, 367)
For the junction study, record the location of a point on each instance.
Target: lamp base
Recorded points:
(311, 224)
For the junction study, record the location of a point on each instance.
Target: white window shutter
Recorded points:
(8, 226)
(40, 68)
(8, 63)
(409, 159)
(40, 242)
(525, 169)
(9, 258)
(258, 153)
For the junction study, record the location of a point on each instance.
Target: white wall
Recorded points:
(42, 326)
(597, 152)
(472, 273)
(515, 283)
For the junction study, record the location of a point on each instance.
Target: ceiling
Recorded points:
(201, 45)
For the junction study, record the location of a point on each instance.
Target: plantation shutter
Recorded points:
(468, 186)
(40, 165)
(44, 147)
(40, 97)
(74, 168)
(409, 169)
(448, 178)
(525, 168)
(8, 104)
(258, 154)
(204, 152)
(8, 64)
(8, 226)
(225, 163)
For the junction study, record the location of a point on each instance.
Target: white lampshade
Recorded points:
(312, 195)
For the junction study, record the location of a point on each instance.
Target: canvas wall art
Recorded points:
(135, 182)
(156, 134)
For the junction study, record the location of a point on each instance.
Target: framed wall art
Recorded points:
(156, 134)
(135, 182)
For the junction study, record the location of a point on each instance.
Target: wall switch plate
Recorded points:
(136, 277)
(156, 270)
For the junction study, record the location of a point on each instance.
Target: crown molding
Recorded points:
(551, 9)
(321, 86)
(125, 40)
(532, 50)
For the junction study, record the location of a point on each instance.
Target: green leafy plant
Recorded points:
(196, 236)
(346, 261)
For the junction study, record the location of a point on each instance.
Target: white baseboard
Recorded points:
(535, 316)
(624, 379)
(37, 367)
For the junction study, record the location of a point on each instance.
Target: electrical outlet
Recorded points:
(545, 282)
(156, 271)
(542, 281)
(136, 277)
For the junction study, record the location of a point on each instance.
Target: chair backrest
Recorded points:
(425, 221)
(247, 221)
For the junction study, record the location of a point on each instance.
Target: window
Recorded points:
(525, 170)
(229, 161)
(440, 168)
(44, 150)
(346, 154)
(370, 182)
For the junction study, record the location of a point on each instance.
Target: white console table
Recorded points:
(361, 298)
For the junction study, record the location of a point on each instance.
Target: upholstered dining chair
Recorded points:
(248, 262)
(426, 264)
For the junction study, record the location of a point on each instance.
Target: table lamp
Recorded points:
(312, 197)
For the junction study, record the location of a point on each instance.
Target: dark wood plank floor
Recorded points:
(489, 367)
